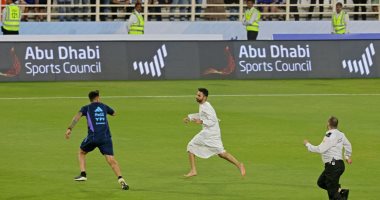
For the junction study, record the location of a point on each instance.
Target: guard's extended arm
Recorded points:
(323, 147)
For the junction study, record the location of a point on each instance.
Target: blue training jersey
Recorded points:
(97, 123)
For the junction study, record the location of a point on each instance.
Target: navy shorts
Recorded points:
(105, 145)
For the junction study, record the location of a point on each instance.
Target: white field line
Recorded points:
(186, 96)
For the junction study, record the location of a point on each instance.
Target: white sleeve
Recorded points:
(244, 22)
(20, 13)
(347, 22)
(193, 116)
(4, 14)
(326, 144)
(132, 20)
(347, 147)
(253, 18)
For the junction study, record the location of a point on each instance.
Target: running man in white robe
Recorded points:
(208, 142)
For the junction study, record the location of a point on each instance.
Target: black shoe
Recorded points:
(80, 178)
(344, 193)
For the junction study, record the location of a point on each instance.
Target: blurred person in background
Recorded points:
(278, 8)
(181, 9)
(363, 9)
(80, 8)
(233, 10)
(294, 9)
(269, 9)
(265, 9)
(375, 6)
(215, 9)
(64, 10)
(41, 10)
(251, 21)
(311, 9)
(136, 23)
(198, 9)
(103, 9)
(11, 18)
(157, 9)
(339, 20)
(29, 7)
(115, 10)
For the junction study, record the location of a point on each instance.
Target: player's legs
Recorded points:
(82, 160)
(86, 146)
(193, 170)
(82, 166)
(114, 164)
(106, 148)
(116, 169)
(230, 158)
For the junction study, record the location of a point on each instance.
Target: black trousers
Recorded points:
(294, 9)
(356, 9)
(329, 179)
(6, 32)
(311, 8)
(252, 35)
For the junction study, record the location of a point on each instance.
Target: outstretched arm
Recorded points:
(72, 125)
(323, 147)
(191, 117)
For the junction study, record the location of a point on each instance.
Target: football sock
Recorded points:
(83, 174)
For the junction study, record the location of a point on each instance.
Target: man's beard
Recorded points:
(198, 100)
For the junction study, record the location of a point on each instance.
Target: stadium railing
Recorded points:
(52, 13)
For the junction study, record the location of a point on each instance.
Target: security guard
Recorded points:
(331, 149)
(11, 18)
(339, 20)
(251, 21)
(136, 21)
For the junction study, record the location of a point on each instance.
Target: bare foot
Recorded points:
(190, 174)
(242, 169)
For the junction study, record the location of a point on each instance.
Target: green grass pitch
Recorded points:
(264, 131)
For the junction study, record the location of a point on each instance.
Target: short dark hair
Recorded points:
(93, 94)
(138, 3)
(250, 1)
(333, 122)
(204, 91)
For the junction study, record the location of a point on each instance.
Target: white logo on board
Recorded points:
(154, 67)
(362, 65)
